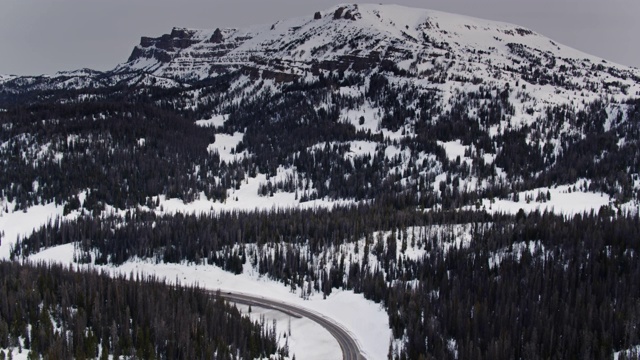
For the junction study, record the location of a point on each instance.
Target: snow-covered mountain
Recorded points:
(428, 45)
(374, 148)
(421, 97)
(361, 37)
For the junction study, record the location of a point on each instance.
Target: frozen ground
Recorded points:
(565, 199)
(298, 339)
(366, 320)
(246, 199)
(22, 223)
(225, 146)
(453, 149)
(216, 121)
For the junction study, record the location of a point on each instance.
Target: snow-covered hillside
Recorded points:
(303, 108)
(438, 47)
(393, 78)
(405, 156)
(444, 51)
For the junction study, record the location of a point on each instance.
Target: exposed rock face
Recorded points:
(427, 44)
(178, 39)
(347, 13)
(161, 48)
(436, 47)
(348, 62)
(161, 56)
(217, 37)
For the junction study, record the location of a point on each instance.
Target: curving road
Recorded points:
(348, 345)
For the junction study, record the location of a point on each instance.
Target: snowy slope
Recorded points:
(362, 36)
(435, 50)
(4, 78)
(365, 319)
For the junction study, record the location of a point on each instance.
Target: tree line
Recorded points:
(127, 146)
(53, 312)
(565, 285)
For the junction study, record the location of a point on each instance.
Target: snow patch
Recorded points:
(216, 121)
(366, 320)
(565, 199)
(632, 353)
(453, 149)
(22, 223)
(225, 146)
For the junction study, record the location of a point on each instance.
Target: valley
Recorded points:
(438, 186)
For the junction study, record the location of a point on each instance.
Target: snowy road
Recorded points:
(348, 345)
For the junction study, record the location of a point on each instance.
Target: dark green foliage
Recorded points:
(566, 286)
(198, 238)
(574, 296)
(77, 315)
(62, 142)
(100, 150)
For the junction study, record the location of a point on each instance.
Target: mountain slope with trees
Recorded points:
(406, 122)
(55, 313)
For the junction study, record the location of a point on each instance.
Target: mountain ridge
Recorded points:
(439, 167)
(371, 84)
(364, 37)
(296, 37)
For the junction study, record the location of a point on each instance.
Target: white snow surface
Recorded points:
(22, 223)
(366, 320)
(417, 40)
(631, 353)
(225, 146)
(215, 121)
(322, 343)
(4, 78)
(453, 149)
(565, 200)
(245, 198)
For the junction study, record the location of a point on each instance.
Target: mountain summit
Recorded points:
(397, 99)
(427, 44)
(473, 178)
(432, 46)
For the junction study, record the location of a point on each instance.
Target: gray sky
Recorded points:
(44, 36)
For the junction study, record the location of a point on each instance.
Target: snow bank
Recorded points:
(367, 321)
(564, 200)
(216, 121)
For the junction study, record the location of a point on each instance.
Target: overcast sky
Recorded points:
(44, 36)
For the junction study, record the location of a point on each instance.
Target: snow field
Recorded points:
(366, 320)
(304, 335)
(225, 146)
(22, 223)
(216, 121)
(565, 200)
